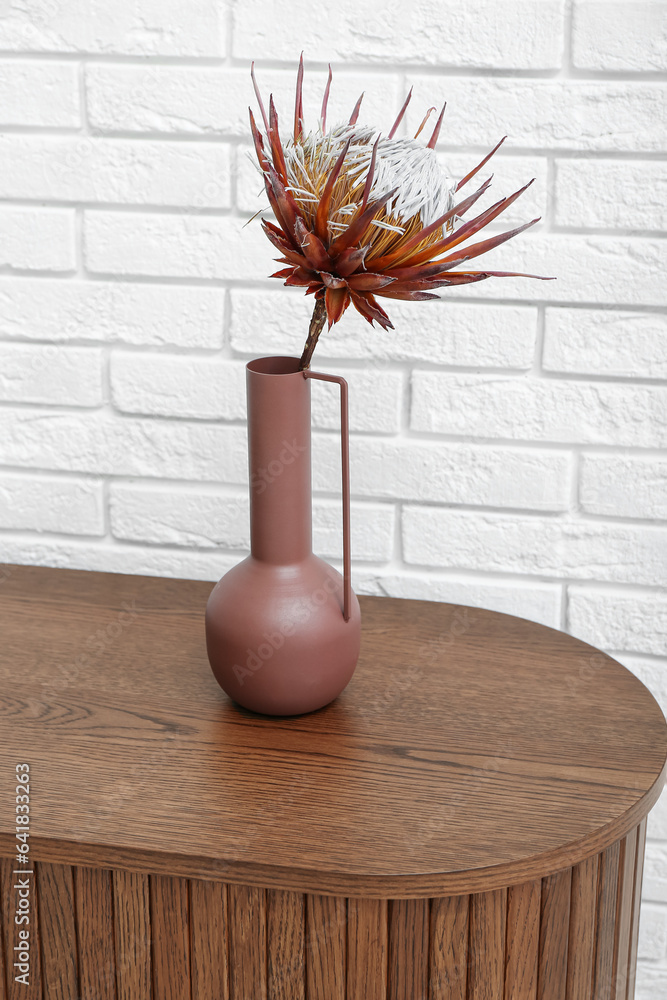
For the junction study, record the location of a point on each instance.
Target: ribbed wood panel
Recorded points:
(285, 945)
(583, 905)
(448, 953)
(554, 933)
(326, 947)
(208, 939)
(58, 929)
(408, 948)
(626, 886)
(132, 935)
(367, 934)
(97, 934)
(521, 958)
(94, 906)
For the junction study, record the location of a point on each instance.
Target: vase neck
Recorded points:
(279, 460)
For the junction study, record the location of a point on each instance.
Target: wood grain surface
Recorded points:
(471, 749)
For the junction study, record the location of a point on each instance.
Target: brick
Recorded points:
(605, 342)
(588, 269)
(38, 503)
(651, 982)
(533, 409)
(132, 27)
(37, 239)
(215, 388)
(374, 399)
(71, 376)
(653, 674)
(511, 543)
(521, 35)
(624, 486)
(39, 93)
(543, 114)
(625, 35)
(187, 246)
(175, 385)
(537, 602)
(126, 171)
(446, 333)
(611, 194)
(185, 517)
(654, 886)
(104, 444)
(437, 472)
(210, 100)
(212, 520)
(636, 622)
(31, 550)
(371, 530)
(653, 934)
(50, 309)
(509, 174)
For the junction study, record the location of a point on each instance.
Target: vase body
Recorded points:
(276, 634)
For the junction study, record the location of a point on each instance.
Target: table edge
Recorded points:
(330, 883)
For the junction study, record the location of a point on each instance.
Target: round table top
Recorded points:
(471, 749)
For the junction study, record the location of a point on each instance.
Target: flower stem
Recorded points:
(314, 330)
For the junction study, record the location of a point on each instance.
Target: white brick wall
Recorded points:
(507, 442)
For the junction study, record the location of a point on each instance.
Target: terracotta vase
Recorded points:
(283, 628)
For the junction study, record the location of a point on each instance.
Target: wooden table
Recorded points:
(466, 821)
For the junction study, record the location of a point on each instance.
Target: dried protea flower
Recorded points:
(360, 215)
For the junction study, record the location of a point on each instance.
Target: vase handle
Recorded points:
(345, 464)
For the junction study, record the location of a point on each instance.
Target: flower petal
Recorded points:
(355, 111)
(322, 216)
(298, 102)
(300, 276)
(276, 144)
(423, 270)
(312, 247)
(336, 300)
(478, 248)
(332, 281)
(359, 224)
(399, 119)
(389, 293)
(367, 282)
(371, 310)
(464, 180)
(348, 261)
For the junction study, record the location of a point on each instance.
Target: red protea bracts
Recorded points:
(360, 215)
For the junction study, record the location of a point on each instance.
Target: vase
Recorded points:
(283, 627)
